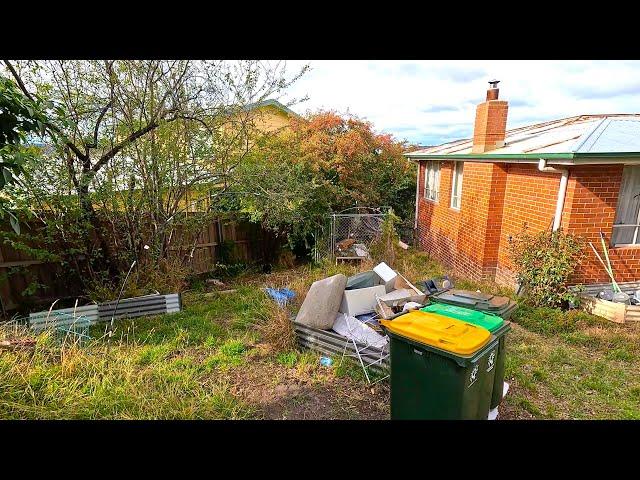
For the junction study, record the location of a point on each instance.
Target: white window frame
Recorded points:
(456, 193)
(432, 192)
(636, 232)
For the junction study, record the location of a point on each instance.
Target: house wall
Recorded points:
(529, 202)
(463, 240)
(593, 200)
(499, 200)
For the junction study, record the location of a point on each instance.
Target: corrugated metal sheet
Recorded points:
(127, 308)
(581, 134)
(88, 311)
(613, 135)
(331, 343)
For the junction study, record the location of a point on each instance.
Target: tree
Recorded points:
(19, 117)
(116, 145)
(365, 167)
(325, 162)
(281, 193)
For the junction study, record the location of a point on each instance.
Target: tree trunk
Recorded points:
(90, 218)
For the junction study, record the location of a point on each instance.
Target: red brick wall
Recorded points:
(464, 239)
(529, 201)
(490, 125)
(498, 200)
(592, 201)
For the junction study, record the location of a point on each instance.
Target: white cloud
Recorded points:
(431, 102)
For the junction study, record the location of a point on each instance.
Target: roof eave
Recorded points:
(554, 158)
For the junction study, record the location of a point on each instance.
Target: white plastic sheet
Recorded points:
(354, 329)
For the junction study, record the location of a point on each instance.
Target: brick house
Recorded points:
(579, 174)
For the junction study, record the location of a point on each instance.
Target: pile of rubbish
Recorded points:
(349, 248)
(612, 295)
(378, 312)
(352, 306)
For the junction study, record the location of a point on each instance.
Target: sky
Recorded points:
(433, 102)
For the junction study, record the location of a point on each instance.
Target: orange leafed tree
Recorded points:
(365, 166)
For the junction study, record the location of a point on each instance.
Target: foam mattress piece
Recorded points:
(320, 306)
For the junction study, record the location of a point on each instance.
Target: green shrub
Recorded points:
(544, 262)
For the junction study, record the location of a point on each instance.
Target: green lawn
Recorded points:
(218, 359)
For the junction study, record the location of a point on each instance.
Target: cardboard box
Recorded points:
(387, 275)
(413, 295)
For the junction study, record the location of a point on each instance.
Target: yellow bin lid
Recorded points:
(439, 331)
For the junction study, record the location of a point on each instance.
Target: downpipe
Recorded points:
(415, 222)
(562, 190)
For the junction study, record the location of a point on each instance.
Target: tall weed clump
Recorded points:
(384, 248)
(544, 263)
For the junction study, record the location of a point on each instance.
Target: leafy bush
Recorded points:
(544, 263)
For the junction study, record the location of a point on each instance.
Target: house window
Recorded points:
(431, 180)
(456, 185)
(625, 226)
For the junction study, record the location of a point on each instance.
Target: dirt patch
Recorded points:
(300, 392)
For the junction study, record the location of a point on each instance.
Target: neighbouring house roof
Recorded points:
(575, 140)
(272, 103)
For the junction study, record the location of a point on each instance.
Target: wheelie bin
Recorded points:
(484, 302)
(495, 324)
(441, 368)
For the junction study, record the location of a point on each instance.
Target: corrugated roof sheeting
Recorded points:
(613, 135)
(580, 134)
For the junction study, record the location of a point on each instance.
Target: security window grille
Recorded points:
(627, 222)
(431, 180)
(456, 185)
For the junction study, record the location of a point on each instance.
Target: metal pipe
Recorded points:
(562, 190)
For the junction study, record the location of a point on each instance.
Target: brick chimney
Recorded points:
(491, 121)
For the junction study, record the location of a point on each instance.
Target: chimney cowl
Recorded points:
(494, 91)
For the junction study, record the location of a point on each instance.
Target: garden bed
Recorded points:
(616, 312)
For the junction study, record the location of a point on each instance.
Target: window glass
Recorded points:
(431, 180)
(456, 185)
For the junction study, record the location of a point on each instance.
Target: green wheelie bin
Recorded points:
(495, 324)
(441, 368)
(484, 302)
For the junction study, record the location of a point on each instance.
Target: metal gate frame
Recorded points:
(327, 237)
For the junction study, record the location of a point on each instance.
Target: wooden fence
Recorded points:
(243, 242)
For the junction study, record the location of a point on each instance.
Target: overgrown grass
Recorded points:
(159, 367)
(572, 365)
(187, 365)
(553, 321)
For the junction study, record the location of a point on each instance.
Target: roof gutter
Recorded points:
(562, 190)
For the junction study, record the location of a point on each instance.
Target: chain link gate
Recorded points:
(363, 225)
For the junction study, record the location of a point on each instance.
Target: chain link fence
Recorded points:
(349, 233)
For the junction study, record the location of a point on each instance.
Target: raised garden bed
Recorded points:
(331, 343)
(616, 312)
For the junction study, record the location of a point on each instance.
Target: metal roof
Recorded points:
(593, 136)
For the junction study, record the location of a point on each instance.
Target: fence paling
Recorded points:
(201, 256)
